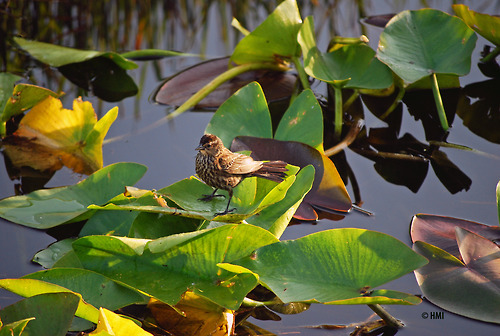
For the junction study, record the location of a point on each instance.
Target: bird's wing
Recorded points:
(239, 164)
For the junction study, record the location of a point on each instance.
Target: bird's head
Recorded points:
(210, 144)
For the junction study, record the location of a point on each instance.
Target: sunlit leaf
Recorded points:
(188, 263)
(274, 39)
(32, 287)
(57, 56)
(275, 218)
(340, 266)
(14, 328)
(50, 136)
(416, 44)
(24, 97)
(277, 85)
(95, 289)
(116, 325)
(53, 313)
(440, 231)
(352, 66)
(152, 54)
(328, 191)
(43, 209)
(245, 113)
(488, 26)
(302, 121)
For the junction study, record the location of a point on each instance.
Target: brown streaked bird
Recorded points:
(222, 169)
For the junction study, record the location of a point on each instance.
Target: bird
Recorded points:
(222, 169)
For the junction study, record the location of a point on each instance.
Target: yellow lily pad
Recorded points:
(50, 136)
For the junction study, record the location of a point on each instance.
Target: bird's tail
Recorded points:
(272, 170)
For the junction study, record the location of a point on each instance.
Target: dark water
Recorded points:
(168, 151)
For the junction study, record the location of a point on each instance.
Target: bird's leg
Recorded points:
(207, 198)
(225, 212)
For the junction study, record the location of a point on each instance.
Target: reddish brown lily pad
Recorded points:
(180, 87)
(328, 191)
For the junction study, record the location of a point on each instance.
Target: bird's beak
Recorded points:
(200, 147)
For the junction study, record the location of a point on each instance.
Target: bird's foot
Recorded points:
(225, 212)
(207, 198)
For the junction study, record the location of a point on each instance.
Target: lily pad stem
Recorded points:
(439, 103)
(388, 318)
(491, 56)
(302, 73)
(338, 111)
(394, 104)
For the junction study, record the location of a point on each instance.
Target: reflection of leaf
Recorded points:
(328, 191)
(470, 288)
(440, 231)
(340, 266)
(46, 208)
(482, 116)
(50, 136)
(273, 39)
(277, 85)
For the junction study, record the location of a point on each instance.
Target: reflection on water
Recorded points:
(204, 28)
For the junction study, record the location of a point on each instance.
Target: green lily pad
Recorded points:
(302, 121)
(274, 39)
(95, 288)
(15, 328)
(418, 43)
(351, 66)
(488, 26)
(47, 208)
(245, 113)
(24, 97)
(53, 313)
(58, 56)
(33, 287)
(183, 262)
(340, 266)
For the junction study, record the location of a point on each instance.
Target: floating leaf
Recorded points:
(57, 56)
(53, 313)
(50, 136)
(178, 263)
(24, 97)
(14, 328)
(43, 209)
(116, 325)
(470, 288)
(488, 26)
(95, 289)
(245, 113)
(352, 66)
(328, 191)
(274, 39)
(416, 44)
(277, 85)
(33, 287)
(340, 266)
(302, 121)
(440, 231)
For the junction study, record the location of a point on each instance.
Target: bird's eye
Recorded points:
(209, 146)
